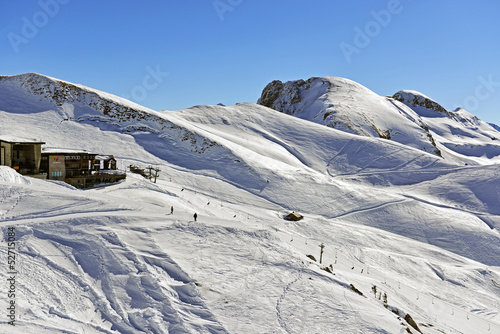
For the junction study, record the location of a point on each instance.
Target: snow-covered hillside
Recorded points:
(421, 228)
(408, 117)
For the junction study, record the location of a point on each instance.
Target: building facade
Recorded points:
(79, 168)
(21, 154)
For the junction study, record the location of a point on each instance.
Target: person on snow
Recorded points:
(195, 216)
(172, 210)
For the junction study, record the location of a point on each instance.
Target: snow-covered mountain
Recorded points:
(494, 126)
(408, 117)
(398, 219)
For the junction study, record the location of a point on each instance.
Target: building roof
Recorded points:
(19, 140)
(294, 216)
(104, 157)
(58, 150)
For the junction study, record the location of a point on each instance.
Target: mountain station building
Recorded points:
(24, 155)
(79, 168)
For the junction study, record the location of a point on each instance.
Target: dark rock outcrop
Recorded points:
(415, 99)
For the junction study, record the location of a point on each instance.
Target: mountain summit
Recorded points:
(408, 117)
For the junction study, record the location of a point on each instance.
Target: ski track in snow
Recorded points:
(118, 269)
(366, 209)
(281, 321)
(445, 206)
(15, 201)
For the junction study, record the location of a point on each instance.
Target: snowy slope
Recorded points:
(459, 134)
(408, 117)
(423, 229)
(333, 169)
(494, 126)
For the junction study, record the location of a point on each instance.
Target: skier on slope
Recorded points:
(195, 216)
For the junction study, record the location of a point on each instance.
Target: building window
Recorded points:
(57, 174)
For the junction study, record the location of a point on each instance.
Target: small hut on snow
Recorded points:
(294, 216)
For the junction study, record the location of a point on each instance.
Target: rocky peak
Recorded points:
(415, 99)
(287, 97)
(271, 93)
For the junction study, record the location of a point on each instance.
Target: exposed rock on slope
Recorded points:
(417, 99)
(287, 97)
(83, 104)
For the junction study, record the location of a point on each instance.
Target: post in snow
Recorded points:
(321, 253)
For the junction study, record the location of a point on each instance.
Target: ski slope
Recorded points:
(422, 229)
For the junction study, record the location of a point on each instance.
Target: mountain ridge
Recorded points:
(407, 117)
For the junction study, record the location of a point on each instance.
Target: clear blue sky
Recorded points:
(228, 50)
